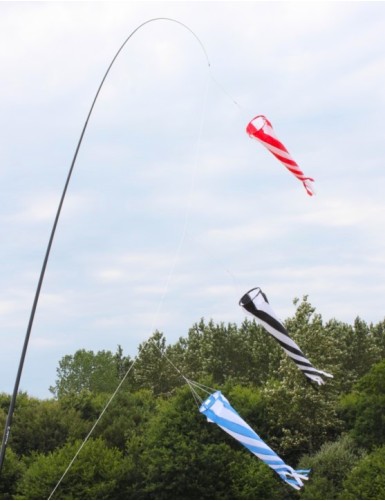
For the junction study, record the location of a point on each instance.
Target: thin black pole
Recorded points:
(11, 410)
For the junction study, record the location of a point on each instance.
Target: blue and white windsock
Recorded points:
(218, 410)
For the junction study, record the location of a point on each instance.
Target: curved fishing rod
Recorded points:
(8, 423)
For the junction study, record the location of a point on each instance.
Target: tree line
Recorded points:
(152, 442)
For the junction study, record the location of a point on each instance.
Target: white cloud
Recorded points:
(110, 275)
(42, 207)
(7, 307)
(45, 343)
(115, 268)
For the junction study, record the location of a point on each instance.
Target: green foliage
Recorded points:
(378, 334)
(364, 408)
(172, 460)
(127, 416)
(299, 415)
(12, 472)
(319, 344)
(247, 355)
(87, 371)
(248, 401)
(152, 369)
(367, 479)
(185, 457)
(95, 474)
(360, 352)
(329, 468)
(152, 442)
(88, 405)
(42, 425)
(253, 479)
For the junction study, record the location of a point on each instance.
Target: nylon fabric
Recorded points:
(256, 303)
(218, 410)
(260, 128)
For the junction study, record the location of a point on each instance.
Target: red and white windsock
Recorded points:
(261, 129)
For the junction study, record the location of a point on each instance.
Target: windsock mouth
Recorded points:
(249, 296)
(256, 125)
(259, 122)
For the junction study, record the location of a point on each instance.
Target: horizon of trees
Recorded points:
(152, 442)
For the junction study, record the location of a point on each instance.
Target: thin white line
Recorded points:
(172, 271)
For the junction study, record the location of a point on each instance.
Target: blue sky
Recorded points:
(173, 212)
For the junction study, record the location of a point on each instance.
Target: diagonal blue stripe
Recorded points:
(230, 425)
(272, 462)
(236, 428)
(275, 459)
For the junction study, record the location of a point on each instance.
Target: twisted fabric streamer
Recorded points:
(218, 410)
(261, 129)
(256, 303)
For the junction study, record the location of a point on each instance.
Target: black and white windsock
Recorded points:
(256, 303)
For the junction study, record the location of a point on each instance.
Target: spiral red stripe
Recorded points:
(261, 129)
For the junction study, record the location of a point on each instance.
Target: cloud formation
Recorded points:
(173, 212)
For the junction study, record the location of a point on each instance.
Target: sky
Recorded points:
(173, 212)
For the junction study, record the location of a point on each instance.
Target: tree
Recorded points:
(85, 370)
(246, 355)
(127, 416)
(253, 479)
(360, 351)
(97, 473)
(367, 479)
(42, 425)
(152, 443)
(11, 473)
(329, 468)
(171, 461)
(182, 456)
(378, 333)
(317, 343)
(152, 368)
(364, 408)
(209, 350)
(261, 351)
(299, 415)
